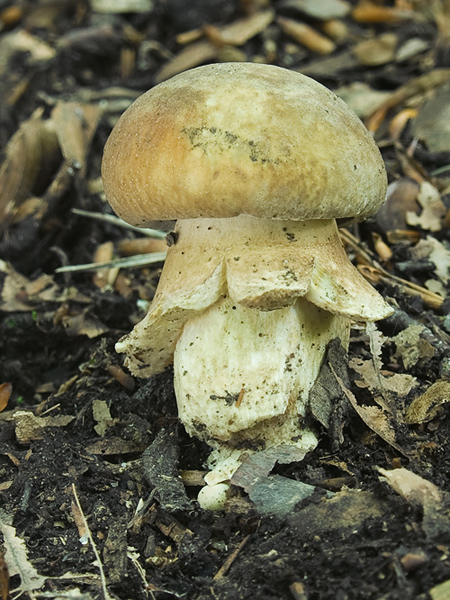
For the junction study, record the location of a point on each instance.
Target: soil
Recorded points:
(97, 476)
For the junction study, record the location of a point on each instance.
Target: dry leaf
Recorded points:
(4, 578)
(83, 324)
(413, 87)
(22, 294)
(16, 558)
(434, 503)
(29, 427)
(239, 32)
(401, 197)
(441, 591)
(432, 249)
(430, 404)
(115, 445)
(399, 383)
(200, 52)
(102, 414)
(23, 41)
(433, 209)
(373, 417)
(370, 12)
(80, 523)
(432, 125)
(323, 10)
(306, 36)
(362, 98)
(372, 375)
(75, 125)
(121, 6)
(413, 488)
(5, 395)
(377, 51)
(31, 156)
(411, 347)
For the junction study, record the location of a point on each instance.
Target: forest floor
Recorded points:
(85, 511)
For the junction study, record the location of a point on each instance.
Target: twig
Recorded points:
(93, 546)
(140, 260)
(230, 560)
(132, 556)
(375, 273)
(153, 233)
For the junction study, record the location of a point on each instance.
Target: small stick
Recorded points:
(142, 260)
(154, 233)
(93, 546)
(230, 560)
(239, 400)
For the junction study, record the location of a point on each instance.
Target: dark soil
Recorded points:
(354, 537)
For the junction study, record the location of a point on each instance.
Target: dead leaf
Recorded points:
(435, 251)
(377, 51)
(80, 523)
(413, 488)
(23, 41)
(5, 395)
(432, 125)
(306, 36)
(411, 347)
(16, 558)
(75, 125)
(399, 383)
(115, 445)
(4, 578)
(327, 402)
(29, 427)
(363, 99)
(433, 209)
(373, 417)
(102, 414)
(415, 86)
(160, 464)
(276, 495)
(323, 10)
(31, 156)
(260, 464)
(203, 51)
(370, 12)
(401, 197)
(121, 6)
(83, 324)
(430, 404)
(22, 294)
(441, 591)
(239, 32)
(104, 278)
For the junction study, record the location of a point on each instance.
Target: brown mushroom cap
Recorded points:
(241, 138)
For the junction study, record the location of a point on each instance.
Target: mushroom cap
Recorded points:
(240, 138)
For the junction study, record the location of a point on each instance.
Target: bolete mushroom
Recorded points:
(255, 162)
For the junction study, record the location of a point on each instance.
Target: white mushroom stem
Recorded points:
(242, 376)
(245, 308)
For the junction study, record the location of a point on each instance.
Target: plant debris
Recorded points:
(99, 481)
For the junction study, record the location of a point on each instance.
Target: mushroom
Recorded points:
(255, 162)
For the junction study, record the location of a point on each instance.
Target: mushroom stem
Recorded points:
(245, 308)
(242, 376)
